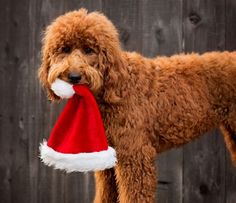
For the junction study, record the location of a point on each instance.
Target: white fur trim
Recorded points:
(82, 162)
(62, 89)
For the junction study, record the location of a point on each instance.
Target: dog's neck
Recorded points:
(117, 84)
(112, 91)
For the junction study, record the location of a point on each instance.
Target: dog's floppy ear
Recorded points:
(112, 66)
(43, 76)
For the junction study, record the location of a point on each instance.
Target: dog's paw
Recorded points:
(62, 89)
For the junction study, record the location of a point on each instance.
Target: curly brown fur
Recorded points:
(147, 105)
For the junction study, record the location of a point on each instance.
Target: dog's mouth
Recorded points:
(89, 77)
(81, 82)
(75, 80)
(63, 86)
(65, 89)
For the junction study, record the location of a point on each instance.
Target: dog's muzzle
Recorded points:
(74, 78)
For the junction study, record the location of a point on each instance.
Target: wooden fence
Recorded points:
(199, 172)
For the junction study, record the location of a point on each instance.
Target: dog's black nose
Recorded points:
(74, 77)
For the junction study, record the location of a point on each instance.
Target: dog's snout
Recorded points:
(74, 77)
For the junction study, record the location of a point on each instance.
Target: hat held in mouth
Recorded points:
(78, 141)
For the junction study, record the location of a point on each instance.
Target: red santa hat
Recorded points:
(77, 141)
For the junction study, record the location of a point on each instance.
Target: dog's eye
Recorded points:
(66, 49)
(88, 50)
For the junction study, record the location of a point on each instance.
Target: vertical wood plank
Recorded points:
(230, 45)
(204, 160)
(14, 66)
(91, 5)
(162, 27)
(125, 15)
(46, 184)
(204, 169)
(5, 125)
(38, 103)
(204, 25)
(161, 34)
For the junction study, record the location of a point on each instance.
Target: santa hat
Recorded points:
(77, 141)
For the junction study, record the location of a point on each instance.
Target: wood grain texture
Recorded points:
(161, 27)
(5, 110)
(127, 19)
(203, 25)
(14, 67)
(230, 45)
(204, 160)
(161, 34)
(202, 172)
(46, 184)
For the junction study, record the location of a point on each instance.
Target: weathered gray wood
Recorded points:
(161, 27)
(46, 184)
(204, 169)
(126, 17)
(204, 160)
(161, 34)
(230, 45)
(90, 5)
(5, 125)
(14, 66)
(204, 25)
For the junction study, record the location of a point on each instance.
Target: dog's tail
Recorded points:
(230, 140)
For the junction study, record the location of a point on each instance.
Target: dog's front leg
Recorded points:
(135, 172)
(106, 190)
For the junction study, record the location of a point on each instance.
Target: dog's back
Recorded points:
(197, 93)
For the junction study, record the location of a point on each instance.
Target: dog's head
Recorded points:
(83, 48)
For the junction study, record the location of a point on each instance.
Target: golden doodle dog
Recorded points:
(147, 105)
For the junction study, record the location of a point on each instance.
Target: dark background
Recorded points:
(199, 172)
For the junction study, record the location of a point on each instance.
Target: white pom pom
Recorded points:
(62, 89)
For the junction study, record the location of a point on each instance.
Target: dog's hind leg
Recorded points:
(229, 131)
(135, 172)
(106, 189)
